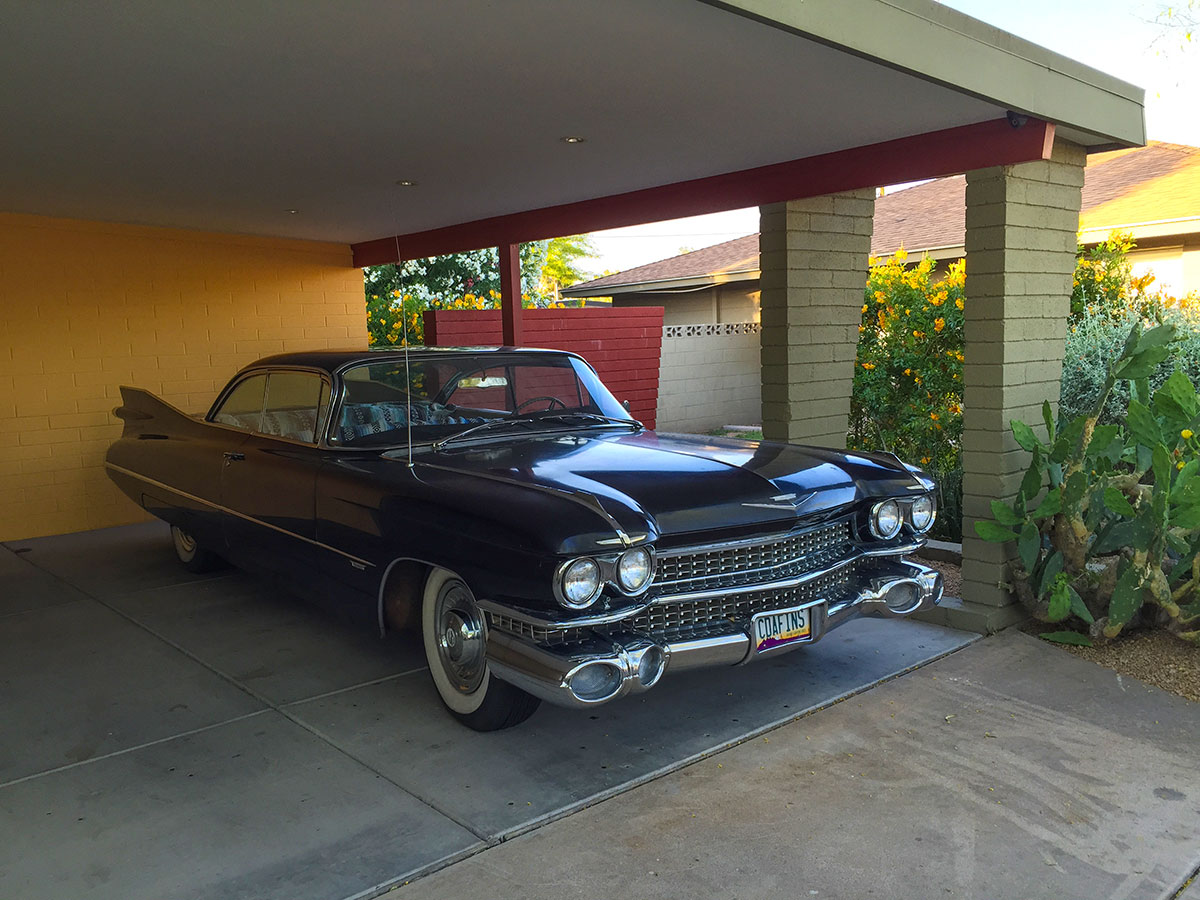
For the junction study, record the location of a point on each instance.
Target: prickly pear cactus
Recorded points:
(1107, 518)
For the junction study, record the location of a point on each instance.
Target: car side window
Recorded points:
(292, 406)
(243, 407)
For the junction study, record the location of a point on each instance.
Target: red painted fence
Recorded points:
(622, 345)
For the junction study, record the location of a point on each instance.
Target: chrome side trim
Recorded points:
(234, 512)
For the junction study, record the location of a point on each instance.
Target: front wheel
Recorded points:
(454, 636)
(193, 557)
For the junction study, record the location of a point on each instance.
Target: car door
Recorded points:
(268, 484)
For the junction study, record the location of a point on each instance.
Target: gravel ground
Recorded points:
(1154, 657)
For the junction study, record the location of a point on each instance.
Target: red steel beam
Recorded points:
(510, 294)
(947, 152)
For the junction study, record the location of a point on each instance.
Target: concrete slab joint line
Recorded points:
(271, 708)
(1009, 770)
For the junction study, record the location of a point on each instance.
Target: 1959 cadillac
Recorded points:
(549, 546)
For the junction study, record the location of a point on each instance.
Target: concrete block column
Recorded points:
(813, 255)
(1022, 225)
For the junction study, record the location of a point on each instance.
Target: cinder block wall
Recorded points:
(813, 254)
(86, 307)
(709, 377)
(1022, 229)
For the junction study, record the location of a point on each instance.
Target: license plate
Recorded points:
(781, 627)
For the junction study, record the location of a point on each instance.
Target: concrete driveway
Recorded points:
(168, 735)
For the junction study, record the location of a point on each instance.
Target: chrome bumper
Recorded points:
(619, 664)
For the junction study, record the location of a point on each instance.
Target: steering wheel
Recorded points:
(551, 403)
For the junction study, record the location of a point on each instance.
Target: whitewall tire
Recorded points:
(454, 635)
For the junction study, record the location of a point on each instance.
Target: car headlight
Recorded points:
(923, 512)
(580, 583)
(634, 570)
(886, 519)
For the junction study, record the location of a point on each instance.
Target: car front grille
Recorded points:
(777, 557)
(672, 620)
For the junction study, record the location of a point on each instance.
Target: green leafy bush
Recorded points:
(907, 395)
(1097, 335)
(1107, 517)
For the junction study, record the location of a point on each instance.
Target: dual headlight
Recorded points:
(887, 516)
(580, 581)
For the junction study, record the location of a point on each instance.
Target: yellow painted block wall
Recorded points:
(86, 307)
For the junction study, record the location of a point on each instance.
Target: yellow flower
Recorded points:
(959, 303)
(861, 329)
(925, 460)
(1186, 434)
(939, 324)
(933, 416)
(908, 371)
(1179, 465)
(395, 293)
(864, 309)
(868, 366)
(918, 334)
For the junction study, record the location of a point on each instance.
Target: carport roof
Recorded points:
(227, 116)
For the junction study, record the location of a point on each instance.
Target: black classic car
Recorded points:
(503, 501)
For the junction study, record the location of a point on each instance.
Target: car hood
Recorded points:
(671, 485)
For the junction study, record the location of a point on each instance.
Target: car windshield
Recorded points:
(448, 395)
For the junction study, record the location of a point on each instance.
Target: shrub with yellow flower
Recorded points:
(907, 394)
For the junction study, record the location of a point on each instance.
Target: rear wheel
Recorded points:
(455, 647)
(194, 557)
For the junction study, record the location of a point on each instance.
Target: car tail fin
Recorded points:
(142, 413)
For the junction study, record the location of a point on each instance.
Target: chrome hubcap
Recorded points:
(460, 637)
(184, 542)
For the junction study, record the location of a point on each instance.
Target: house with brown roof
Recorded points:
(1151, 192)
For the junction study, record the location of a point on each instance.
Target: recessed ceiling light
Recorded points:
(404, 182)
(573, 139)
(292, 211)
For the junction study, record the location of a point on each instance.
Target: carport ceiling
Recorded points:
(226, 115)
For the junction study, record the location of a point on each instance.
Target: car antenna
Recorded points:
(407, 375)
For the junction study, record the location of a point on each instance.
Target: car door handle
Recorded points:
(231, 455)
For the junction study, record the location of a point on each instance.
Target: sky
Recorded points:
(1116, 36)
